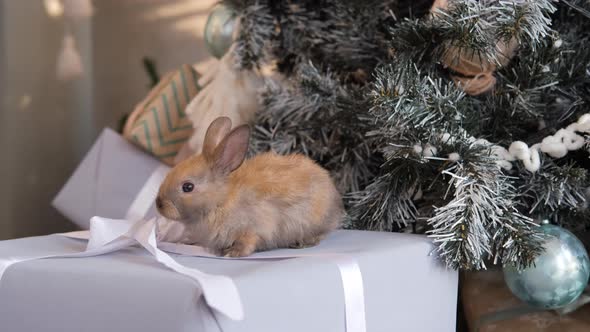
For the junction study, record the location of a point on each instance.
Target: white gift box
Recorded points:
(106, 181)
(404, 287)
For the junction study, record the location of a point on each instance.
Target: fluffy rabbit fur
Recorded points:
(236, 207)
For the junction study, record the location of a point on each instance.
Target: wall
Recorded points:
(125, 31)
(36, 123)
(45, 125)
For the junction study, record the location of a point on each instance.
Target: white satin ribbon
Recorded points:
(348, 268)
(354, 295)
(220, 292)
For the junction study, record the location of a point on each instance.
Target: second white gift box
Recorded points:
(107, 180)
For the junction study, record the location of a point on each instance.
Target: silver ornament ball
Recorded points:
(219, 30)
(559, 274)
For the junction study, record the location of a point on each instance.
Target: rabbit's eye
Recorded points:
(187, 187)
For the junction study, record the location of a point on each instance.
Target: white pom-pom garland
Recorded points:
(454, 156)
(429, 151)
(556, 146)
(417, 149)
(529, 156)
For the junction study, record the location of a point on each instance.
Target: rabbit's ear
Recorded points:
(230, 153)
(217, 130)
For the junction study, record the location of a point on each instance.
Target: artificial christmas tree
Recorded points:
(463, 120)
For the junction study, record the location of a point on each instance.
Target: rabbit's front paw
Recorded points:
(245, 245)
(235, 252)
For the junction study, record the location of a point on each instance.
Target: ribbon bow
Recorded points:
(107, 235)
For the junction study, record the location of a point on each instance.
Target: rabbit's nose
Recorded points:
(159, 203)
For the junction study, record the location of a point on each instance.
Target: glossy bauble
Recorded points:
(219, 30)
(559, 274)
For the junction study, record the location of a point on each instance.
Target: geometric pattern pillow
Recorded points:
(159, 124)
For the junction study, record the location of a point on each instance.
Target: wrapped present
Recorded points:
(106, 181)
(159, 123)
(127, 291)
(490, 306)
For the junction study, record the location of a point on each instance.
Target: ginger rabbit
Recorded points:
(236, 207)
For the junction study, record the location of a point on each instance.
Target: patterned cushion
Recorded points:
(159, 124)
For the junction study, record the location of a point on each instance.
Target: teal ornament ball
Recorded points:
(219, 30)
(559, 274)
